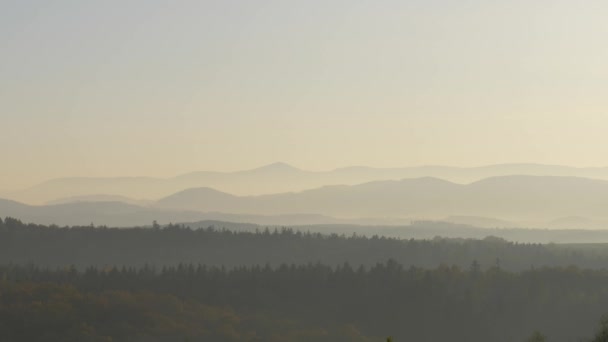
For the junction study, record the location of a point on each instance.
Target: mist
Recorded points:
(265, 170)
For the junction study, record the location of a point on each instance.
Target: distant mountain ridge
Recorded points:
(119, 214)
(277, 178)
(98, 198)
(512, 198)
(507, 201)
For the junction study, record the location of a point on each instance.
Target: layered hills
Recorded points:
(270, 179)
(564, 202)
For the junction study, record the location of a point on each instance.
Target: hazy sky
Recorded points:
(150, 87)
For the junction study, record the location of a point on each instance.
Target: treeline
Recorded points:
(101, 246)
(209, 284)
(344, 303)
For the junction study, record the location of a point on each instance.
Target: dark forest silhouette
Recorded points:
(193, 296)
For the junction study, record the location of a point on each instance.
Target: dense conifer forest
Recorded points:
(179, 284)
(214, 246)
(299, 303)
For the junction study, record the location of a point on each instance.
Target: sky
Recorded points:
(159, 88)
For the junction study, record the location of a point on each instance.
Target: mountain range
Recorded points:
(270, 179)
(513, 198)
(506, 201)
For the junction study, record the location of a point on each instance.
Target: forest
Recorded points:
(310, 302)
(157, 246)
(180, 284)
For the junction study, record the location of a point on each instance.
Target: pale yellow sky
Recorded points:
(109, 88)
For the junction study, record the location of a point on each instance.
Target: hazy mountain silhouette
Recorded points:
(99, 198)
(99, 213)
(277, 178)
(479, 221)
(529, 201)
(118, 214)
(577, 221)
(513, 198)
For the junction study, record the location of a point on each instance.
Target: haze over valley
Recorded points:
(269, 179)
(297, 171)
(542, 198)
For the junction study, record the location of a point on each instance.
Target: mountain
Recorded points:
(505, 201)
(483, 222)
(98, 198)
(512, 198)
(497, 202)
(277, 178)
(577, 221)
(118, 214)
(115, 214)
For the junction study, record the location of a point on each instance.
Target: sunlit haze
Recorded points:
(156, 88)
(303, 170)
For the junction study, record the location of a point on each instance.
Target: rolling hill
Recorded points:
(513, 198)
(275, 178)
(508, 201)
